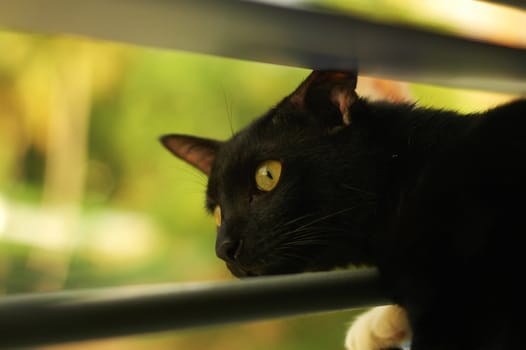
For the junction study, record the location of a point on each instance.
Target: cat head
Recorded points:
(280, 189)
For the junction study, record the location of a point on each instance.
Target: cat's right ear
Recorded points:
(325, 91)
(198, 152)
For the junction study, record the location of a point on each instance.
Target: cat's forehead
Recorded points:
(261, 139)
(282, 128)
(249, 142)
(284, 119)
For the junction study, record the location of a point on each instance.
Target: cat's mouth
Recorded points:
(242, 272)
(254, 271)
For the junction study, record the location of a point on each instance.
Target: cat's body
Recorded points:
(432, 198)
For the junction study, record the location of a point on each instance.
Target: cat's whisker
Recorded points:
(307, 242)
(293, 221)
(358, 190)
(228, 112)
(309, 230)
(313, 236)
(328, 216)
(197, 177)
(314, 231)
(327, 237)
(289, 255)
(309, 233)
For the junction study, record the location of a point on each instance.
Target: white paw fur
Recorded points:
(379, 328)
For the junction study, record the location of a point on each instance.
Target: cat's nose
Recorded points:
(229, 250)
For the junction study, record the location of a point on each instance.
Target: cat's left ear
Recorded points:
(198, 152)
(324, 91)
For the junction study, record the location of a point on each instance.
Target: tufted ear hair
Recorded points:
(198, 152)
(325, 91)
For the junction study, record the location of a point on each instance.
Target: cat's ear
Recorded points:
(198, 152)
(326, 90)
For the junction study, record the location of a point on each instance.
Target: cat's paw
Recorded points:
(382, 327)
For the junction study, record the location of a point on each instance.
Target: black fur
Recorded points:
(434, 199)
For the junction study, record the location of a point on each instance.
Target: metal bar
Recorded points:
(47, 318)
(512, 3)
(281, 35)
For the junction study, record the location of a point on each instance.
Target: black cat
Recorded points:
(433, 198)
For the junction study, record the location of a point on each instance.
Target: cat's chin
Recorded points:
(241, 272)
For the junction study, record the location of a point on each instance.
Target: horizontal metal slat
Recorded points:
(47, 318)
(281, 35)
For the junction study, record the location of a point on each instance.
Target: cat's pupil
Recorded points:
(269, 175)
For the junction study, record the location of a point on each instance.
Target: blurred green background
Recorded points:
(89, 198)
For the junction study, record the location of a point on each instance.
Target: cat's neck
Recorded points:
(409, 141)
(419, 133)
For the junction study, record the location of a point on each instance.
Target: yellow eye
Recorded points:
(217, 215)
(267, 175)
